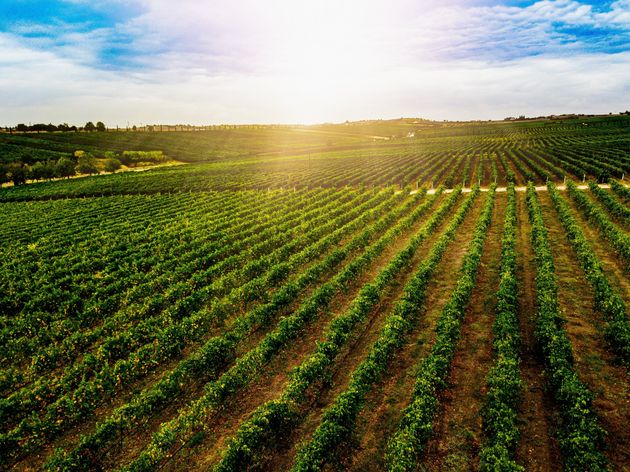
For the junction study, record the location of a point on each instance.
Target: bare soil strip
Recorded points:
(458, 429)
(537, 449)
(613, 265)
(273, 381)
(384, 404)
(594, 361)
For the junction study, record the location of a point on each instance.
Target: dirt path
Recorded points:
(519, 179)
(274, 379)
(131, 444)
(384, 405)
(357, 351)
(458, 429)
(594, 361)
(539, 188)
(613, 265)
(537, 449)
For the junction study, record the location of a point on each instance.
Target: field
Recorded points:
(400, 295)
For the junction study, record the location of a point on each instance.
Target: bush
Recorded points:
(135, 157)
(64, 167)
(87, 165)
(18, 173)
(112, 164)
(42, 170)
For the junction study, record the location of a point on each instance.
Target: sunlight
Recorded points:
(319, 52)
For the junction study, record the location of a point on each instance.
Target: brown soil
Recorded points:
(273, 381)
(473, 176)
(487, 171)
(518, 176)
(612, 264)
(594, 361)
(380, 416)
(537, 449)
(458, 428)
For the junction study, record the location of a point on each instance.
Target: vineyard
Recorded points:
(409, 155)
(450, 299)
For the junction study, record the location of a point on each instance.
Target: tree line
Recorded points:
(64, 167)
(82, 162)
(42, 127)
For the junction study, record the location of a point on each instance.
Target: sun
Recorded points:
(319, 52)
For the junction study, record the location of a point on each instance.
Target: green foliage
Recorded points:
(287, 330)
(617, 237)
(136, 157)
(408, 442)
(607, 300)
(172, 339)
(339, 419)
(503, 380)
(216, 351)
(100, 295)
(621, 190)
(580, 437)
(273, 157)
(112, 164)
(86, 164)
(64, 167)
(616, 208)
(522, 168)
(17, 173)
(42, 170)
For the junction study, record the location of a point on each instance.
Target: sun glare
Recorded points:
(320, 51)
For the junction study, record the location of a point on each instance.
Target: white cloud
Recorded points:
(280, 61)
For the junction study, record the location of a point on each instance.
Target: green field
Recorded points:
(384, 295)
(416, 155)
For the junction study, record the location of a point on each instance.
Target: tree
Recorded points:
(21, 127)
(42, 170)
(100, 126)
(112, 164)
(17, 173)
(87, 165)
(64, 167)
(89, 126)
(4, 171)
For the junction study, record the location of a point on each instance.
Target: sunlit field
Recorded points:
(363, 296)
(315, 235)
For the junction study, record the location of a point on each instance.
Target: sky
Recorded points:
(309, 61)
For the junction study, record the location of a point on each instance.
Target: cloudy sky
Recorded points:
(290, 61)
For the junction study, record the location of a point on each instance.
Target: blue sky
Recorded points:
(211, 61)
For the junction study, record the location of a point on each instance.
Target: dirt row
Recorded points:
(273, 381)
(458, 432)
